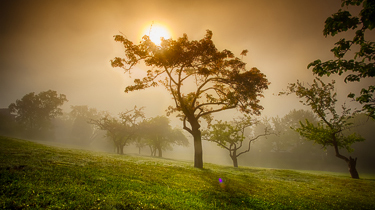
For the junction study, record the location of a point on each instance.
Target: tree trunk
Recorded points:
(352, 163)
(197, 135)
(235, 162)
(121, 150)
(160, 152)
(198, 151)
(158, 147)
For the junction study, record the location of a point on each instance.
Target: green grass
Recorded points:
(35, 176)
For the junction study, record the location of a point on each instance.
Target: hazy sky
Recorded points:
(67, 45)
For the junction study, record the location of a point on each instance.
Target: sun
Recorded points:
(156, 32)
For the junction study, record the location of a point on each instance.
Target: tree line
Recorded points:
(267, 136)
(203, 80)
(38, 116)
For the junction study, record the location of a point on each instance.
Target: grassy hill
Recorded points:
(37, 176)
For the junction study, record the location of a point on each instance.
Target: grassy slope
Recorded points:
(39, 176)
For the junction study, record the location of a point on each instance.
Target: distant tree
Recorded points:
(286, 140)
(285, 127)
(140, 143)
(231, 136)
(35, 112)
(362, 64)
(201, 79)
(8, 125)
(320, 97)
(122, 130)
(161, 136)
(268, 143)
(82, 131)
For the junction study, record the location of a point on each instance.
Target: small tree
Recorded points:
(35, 112)
(123, 129)
(201, 79)
(231, 136)
(161, 136)
(362, 64)
(330, 130)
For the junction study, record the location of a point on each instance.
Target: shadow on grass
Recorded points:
(226, 191)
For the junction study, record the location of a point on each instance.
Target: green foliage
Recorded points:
(320, 134)
(34, 176)
(231, 136)
(159, 135)
(321, 98)
(35, 112)
(228, 135)
(362, 65)
(225, 134)
(286, 139)
(219, 79)
(122, 131)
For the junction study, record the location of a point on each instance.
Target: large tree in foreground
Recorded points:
(359, 64)
(331, 130)
(201, 79)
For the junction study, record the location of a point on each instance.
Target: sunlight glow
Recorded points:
(155, 31)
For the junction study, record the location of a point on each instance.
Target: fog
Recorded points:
(67, 45)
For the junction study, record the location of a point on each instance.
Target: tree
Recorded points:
(362, 64)
(231, 136)
(35, 112)
(330, 131)
(121, 130)
(161, 136)
(82, 131)
(284, 126)
(201, 79)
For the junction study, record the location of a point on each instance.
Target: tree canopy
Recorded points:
(34, 112)
(232, 136)
(159, 135)
(360, 64)
(122, 130)
(201, 79)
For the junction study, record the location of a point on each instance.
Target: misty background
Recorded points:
(67, 46)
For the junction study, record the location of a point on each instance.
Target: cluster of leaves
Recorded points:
(132, 127)
(321, 98)
(286, 139)
(362, 64)
(121, 130)
(158, 134)
(34, 112)
(220, 78)
(231, 135)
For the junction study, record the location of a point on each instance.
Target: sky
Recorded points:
(67, 45)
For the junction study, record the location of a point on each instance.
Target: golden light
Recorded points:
(156, 31)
